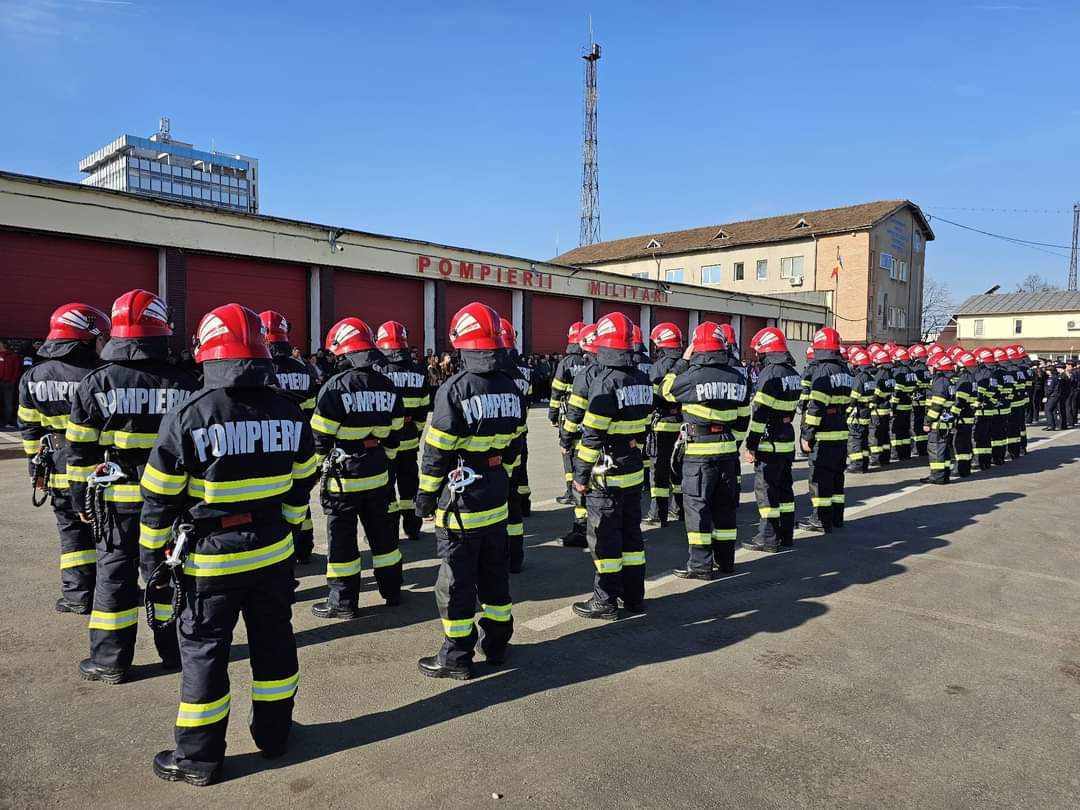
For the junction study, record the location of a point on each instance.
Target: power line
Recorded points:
(1028, 243)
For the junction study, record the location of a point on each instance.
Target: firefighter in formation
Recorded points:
(206, 489)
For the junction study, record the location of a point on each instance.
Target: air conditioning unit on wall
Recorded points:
(796, 281)
(1071, 326)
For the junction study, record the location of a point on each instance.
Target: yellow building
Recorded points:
(1047, 324)
(877, 296)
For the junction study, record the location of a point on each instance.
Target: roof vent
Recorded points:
(721, 234)
(802, 223)
(654, 244)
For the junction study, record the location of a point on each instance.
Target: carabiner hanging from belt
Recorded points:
(598, 475)
(678, 452)
(457, 481)
(169, 574)
(104, 476)
(332, 467)
(42, 464)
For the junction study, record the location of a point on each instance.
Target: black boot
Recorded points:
(166, 767)
(567, 498)
(690, 573)
(65, 605)
(324, 611)
(676, 508)
(651, 517)
(634, 607)
(758, 544)
(89, 671)
(812, 524)
(432, 668)
(575, 539)
(595, 609)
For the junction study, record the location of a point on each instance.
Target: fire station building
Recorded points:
(63, 242)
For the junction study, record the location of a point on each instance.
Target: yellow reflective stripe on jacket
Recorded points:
(31, 416)
(104, 620)
(578, 402)
(162, 612)
(293, 514)
(192, 715)
(415, 402)
(245, 489)
(667, 427)
(281, 689)
(153, 538)
(710, 414)
(559, 385)
(776, 447)
(74, 471)
(812, 420)
(408, 444)
(570, 426)
(831, 436)
(31, 446)
(587, 454)
(73, 559)
(481, 444)
(761, 398)
(818, 396)
(430, 483)
(123, 493)
(440, 438)
(627, 480)
(356, 433)
(214, 565)
(470, 520)
(358, 484)
(58, 422)
(324, 425)
(596, 421)
(628, 427)
(162, 483)
(303, 469)
(308, 404)
(124, 440)
(711, 448)
(81, 433)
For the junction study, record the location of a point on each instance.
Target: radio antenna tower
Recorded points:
(1072, 256)
(590, 184)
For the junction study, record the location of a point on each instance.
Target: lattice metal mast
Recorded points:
(590, 183)
(1072, 256)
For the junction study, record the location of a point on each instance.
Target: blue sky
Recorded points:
(461, 122)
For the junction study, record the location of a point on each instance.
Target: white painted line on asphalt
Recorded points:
(1004, 569)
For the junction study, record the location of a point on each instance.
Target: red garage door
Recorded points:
(258, 285)
(458, 295)
(40, 272)
(631, 311)
(551, 316)
(379, 297)
(679, 317)
(715, 317)
(750, 327)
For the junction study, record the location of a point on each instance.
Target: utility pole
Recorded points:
(1072, 256)
(590, 184)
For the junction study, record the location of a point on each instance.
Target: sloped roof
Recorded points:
(800, 225)
(1053, 301)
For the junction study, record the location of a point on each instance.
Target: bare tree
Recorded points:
(1035, 283)
(938, 307)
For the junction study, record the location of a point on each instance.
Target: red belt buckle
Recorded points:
(236, 520)
(371, 442)
(494, 461)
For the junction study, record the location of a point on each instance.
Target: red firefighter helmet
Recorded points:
(1021, 352)
(230, 332)
(708, 337)
(276, 326)
(931, 346)
(809, 352)
(844, 352)
(139, 314)
(615, 331)
(880, 357)
(769, 339)
(476, 327)
(587, 337)
(859, 357)
(392, 335)
(933, 350)
(349, 335)
(899, 354)
(574, 332)
(917, 350)
(942, 362)
(966, 359)
(984, 355)
(873, 347)
(1012, 353)
(509, 334)
(827, 338)
(639, 339)
(955, 351)
(889, 345)
(999, 355)
(729, 334)
(667, 335)
(78, 322)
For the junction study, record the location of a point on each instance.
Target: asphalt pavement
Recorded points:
(927, 655)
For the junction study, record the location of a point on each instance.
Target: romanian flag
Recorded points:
(839, 265)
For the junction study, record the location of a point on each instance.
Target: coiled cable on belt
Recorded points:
(457, 481)
(331, 471)
(679, 451)
(169, 574)
(42, 466)
(104, 476)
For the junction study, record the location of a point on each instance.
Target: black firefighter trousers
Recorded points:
(205, 629)
(407, 481)
(475, 569)
(941, 455)
(858, 445)
(77, 554)
(710, 498)
(372, 510)
(117, 598)
(661, 487)
(775, 495)
(827, 462)
(617, 545)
